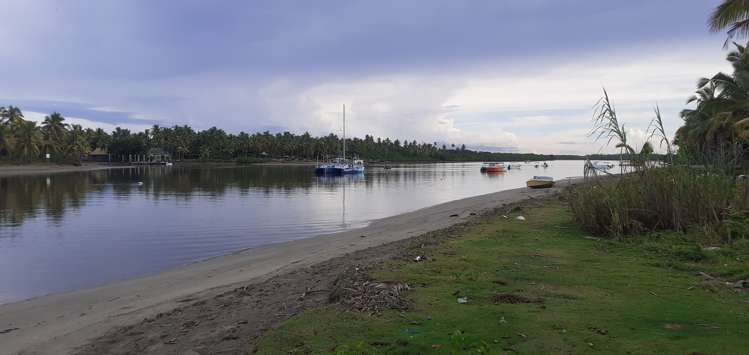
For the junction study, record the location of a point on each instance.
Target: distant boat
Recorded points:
(540, 182)
(492, 168)
(603, 166)
(340, 166)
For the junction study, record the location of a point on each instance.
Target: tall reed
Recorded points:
(669, 195)
(666, 198)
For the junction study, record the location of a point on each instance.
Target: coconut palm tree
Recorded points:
(12, 116)
(99, 139)
(28, 141)
(732, 15)
(77, 144)
(721, 103)
(6, 139)
(54, 130)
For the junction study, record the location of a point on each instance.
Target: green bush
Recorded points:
(668, 198)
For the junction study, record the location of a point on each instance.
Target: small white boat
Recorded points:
(540, 182)
(603, 166)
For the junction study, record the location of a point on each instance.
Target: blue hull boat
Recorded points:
(341, 166)
(339, 169)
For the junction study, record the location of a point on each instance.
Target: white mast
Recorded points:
(344, 133)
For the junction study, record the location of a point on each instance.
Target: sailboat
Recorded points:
(340, 166)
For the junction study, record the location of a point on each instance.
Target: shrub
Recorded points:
(668, 198)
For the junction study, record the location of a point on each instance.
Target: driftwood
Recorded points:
(356, 291)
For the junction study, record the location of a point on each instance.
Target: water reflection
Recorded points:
(25, 197)
(68, 231)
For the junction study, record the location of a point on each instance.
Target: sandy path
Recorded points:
(57, 324)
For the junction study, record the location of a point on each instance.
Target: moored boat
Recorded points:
(340, 166)
(492, 168)
(603, 166)
(539, 182)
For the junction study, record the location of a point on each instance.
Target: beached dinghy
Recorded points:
(540, 182)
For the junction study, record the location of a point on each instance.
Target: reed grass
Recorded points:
(667, 198)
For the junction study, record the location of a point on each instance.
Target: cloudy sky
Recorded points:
(517, 75)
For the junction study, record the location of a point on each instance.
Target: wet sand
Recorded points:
(64, 323)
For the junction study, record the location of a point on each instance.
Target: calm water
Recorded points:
(69, 231)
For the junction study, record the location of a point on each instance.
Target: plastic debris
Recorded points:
(741, 284)
(462, 300)
(520, 218)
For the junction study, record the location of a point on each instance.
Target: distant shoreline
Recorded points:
(7, 170)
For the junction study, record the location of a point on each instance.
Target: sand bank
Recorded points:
(45, 169)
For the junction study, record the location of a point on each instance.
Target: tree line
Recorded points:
(25, 141)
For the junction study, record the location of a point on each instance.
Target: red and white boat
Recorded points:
(492, 168)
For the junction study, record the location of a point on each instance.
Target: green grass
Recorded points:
(640, 296)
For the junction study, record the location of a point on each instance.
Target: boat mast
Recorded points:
(344, 133)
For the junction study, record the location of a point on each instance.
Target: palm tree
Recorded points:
(54, 130)
(6, 139)
(732, 15)
(722, 102)
(77, 144)
(99, 139)
(12, 116)
(29, 141)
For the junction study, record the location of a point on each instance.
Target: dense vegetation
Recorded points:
(25, 141)
(718, 127)
(698, 188)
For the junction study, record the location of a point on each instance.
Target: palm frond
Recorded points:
(727, 14)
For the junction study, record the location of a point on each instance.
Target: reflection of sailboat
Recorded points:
(339, 179)
(343, 205)
(340, 166)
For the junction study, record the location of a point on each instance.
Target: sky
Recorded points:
(510, 75)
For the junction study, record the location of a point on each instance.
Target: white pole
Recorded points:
(344, 133)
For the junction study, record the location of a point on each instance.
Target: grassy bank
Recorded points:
(538, 286)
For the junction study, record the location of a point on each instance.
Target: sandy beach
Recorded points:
(62, 323)
(45, 169)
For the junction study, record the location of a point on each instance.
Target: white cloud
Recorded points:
(38, 117)
(538, 105)
(533, 107)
